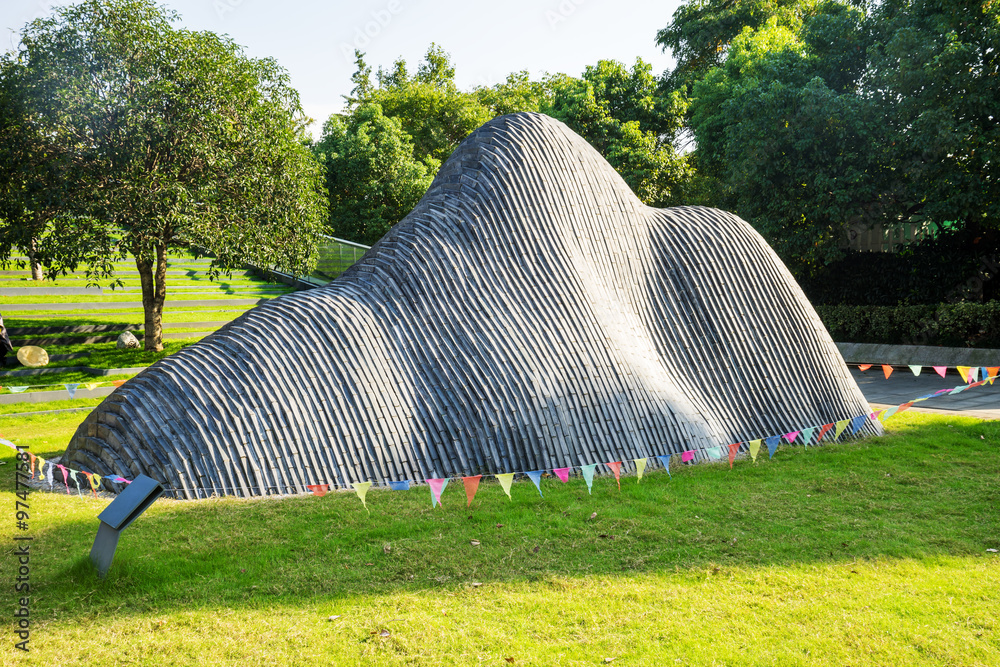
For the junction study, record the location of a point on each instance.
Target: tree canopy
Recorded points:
(173, 139)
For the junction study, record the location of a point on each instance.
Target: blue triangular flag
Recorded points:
(985, 372)
(857, 422)
(588, 475)
(665, 460)
(536, 477)
(400, 486)
(807, 435)
(772, 444)
(71, 388)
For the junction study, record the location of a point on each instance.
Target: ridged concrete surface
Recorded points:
(529, 313)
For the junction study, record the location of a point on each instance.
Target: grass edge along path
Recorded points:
(865, 552)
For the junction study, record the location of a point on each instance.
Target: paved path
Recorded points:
(982, 402)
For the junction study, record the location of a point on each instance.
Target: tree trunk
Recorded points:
(36, 268)
(152, 276)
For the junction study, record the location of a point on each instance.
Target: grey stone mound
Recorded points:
(530, 313)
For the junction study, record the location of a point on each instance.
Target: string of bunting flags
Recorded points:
(806, 436)
(967, 373)
(71, 387)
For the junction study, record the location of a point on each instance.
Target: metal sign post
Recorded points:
(117, 516)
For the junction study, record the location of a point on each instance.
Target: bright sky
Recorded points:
(315, 41)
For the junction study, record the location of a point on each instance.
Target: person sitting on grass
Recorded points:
(5, 344)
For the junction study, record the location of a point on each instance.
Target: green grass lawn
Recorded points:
(865, 552)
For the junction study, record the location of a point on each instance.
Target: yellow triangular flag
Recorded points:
(964, 372)
(841, 425)
(754, 446)
(640, 467)
(92, 385)
(506, 480)
(361, 488)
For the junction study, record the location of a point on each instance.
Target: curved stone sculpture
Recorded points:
(530, 313)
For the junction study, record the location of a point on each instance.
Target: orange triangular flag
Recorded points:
(887, 369)
(318, 489)
(905, 406)
(992, 372)
(616, 468)
(733, 448)
(118, 383)
(471, 486)
(864, 367)
(822, 431)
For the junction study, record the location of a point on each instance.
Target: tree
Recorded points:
(373, 179)
(176, 139)
(934, 74)
(620, 114)
(430, 108)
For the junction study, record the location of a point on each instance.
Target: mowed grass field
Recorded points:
(870, 552)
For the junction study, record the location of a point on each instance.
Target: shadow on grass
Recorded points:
(926, 489)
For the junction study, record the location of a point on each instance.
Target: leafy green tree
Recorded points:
(429, 106)
(619, 112)
(177, 139)
(373, 179)
(934, 73)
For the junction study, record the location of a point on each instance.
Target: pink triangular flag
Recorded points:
(790, 437)
(687, 456)
(437, 486)
(562, 474)
(940, 370)
(616, 468)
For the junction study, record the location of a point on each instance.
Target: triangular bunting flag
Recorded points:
(471, 486)
(31, 464)
(714, 453)
(616, 468)
(940, 370)
(640, 467)
(772, 444)
(992, 372)
(877, 415)
(318, 489)
(807, 435)
(437, 488)
(361, 488)
(823, 431)
(92, 385)
(916, 370)
(857, 423)
(841, 425)
(888, 412)
(95, 483)
(119, 383)
(733, 448)
(864, 367)
(964, 372)
(687, 456)
(957, 390)
(588, 475)
(400, 486)
(41, 468)
(17, 390)
(905, 406)
(887, 369)
(536, 477)
(71, 388)
(562, 474)
(506, 479)
(973, 373)
(790, 437)
(665, 462)
(754, 447)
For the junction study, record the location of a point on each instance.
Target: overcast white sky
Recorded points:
(314, 41)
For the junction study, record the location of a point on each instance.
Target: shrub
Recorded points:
(949, 325)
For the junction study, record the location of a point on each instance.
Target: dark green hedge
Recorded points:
(950, 325)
